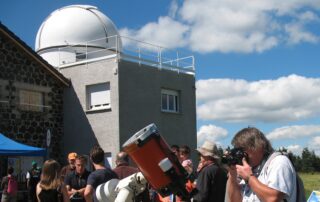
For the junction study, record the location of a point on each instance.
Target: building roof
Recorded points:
(29, 51)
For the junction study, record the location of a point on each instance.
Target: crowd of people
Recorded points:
(257, 177)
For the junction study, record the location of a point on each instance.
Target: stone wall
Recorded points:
(19, 71)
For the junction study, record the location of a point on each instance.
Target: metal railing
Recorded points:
(127, 49)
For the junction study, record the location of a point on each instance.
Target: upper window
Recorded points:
(170, 100)
(80, 56)
(98, 96)
(31, 100)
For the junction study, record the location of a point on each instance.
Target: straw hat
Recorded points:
(209, 149)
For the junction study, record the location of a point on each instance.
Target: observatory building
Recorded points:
(118, 85)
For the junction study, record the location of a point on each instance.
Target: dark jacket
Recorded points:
(211, 184)
(123, 170)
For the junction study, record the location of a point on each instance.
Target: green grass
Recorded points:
(311, 182)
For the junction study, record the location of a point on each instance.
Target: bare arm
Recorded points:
(28, 179)
(233, 188)
(81, 191)
(38, 190)
(65, 194)
(69, 190)
(263, 192)
(88, 192)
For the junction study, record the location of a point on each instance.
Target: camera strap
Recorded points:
(265, 162)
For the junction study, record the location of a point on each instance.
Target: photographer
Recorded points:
(275, 182)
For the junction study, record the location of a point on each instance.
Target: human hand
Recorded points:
(232, 172)
(244, 170)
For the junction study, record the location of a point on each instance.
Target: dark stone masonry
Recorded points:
(28, 124)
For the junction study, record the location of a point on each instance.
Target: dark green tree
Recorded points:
(307, 160)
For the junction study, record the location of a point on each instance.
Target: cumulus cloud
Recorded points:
(314, 145)
(212, 133)
(297, 32)
(277, 100)
(296, 131)
(231, 26)
(166, 33)
(295, 149)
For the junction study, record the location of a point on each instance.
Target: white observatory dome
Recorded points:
(72, 31)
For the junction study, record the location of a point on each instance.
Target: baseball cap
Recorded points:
(72, 155)
(34, 163)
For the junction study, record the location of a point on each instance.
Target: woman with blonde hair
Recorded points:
(50, 188)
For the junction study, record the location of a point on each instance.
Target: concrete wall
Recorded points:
(140, 103)
(135, 92)
(84, 128)
(19, 71)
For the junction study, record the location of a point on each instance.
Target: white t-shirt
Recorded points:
(28, 175)
(279, 175)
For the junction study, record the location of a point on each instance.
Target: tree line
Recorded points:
(307, 162)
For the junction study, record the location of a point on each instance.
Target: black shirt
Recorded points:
(211, 184)
(35, 174)
(100, 176)
(75, 181)
(50, 195)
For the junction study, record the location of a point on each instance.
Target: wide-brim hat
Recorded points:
(209, 149)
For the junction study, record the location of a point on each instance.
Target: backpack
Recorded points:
(301, 196)
(12, 185)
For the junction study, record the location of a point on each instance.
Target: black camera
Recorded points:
(234, 156)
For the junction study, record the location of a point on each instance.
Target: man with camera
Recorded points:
(255, 178)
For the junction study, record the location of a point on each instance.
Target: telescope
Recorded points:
(158, 166)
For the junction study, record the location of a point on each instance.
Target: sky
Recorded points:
(257, 62)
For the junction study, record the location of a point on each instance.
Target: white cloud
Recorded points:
(173, 8)
(166, 33)
(232, 25)
(297, 32)
(314, 145)
(295, 149)
(296, 131)
(277, 100)
(212, 133)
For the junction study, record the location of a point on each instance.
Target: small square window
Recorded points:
(31, 100)
(81, 56)
(98, 96)
(169, 100)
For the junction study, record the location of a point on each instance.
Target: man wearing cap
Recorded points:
(33, 177)
(211, 180)
(71, 165)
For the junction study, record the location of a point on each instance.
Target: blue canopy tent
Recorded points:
(9, 147)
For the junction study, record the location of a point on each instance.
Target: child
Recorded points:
(186, 162)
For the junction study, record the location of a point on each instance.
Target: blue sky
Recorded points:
(257, 62)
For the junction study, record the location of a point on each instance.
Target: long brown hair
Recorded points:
(50, 176)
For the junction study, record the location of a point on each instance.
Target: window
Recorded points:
(169, 100)
(80, 56)
(98, 96)
(31, 100)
